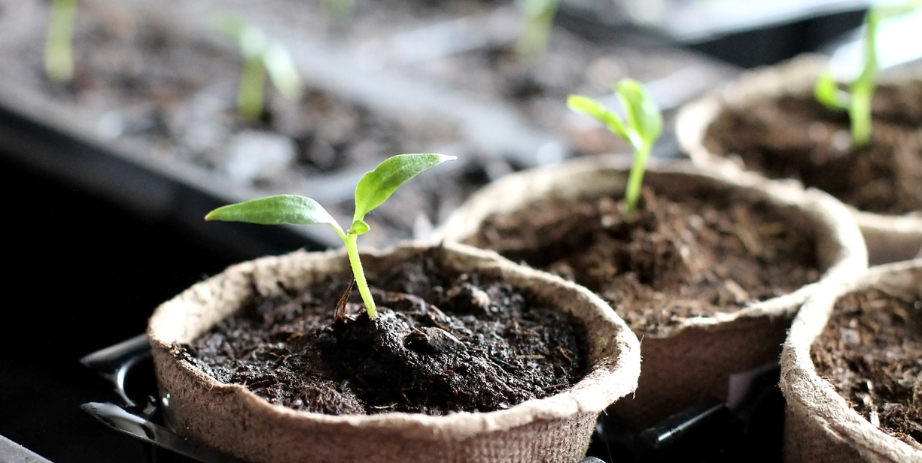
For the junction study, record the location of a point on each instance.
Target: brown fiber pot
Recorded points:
(694, 359)
(819, 425)
(233, 420)
(889, 238)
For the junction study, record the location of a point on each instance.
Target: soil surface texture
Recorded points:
(870, 351)
(674, 260)
(444, 342)
(796, 137)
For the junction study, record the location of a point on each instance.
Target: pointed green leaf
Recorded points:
(378, 185)
(275, 210)
(828, 94)
(282, 71)
(251, 39)
(642, 113)
(588, 106)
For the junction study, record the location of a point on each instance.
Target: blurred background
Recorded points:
(108, 166)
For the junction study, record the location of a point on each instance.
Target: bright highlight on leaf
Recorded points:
(373, 189)
(643, 126)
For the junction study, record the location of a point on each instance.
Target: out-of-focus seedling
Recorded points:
(261, 57)
(537, 19)
(59, 59)
(857, 100)
(643, 125)
(373, 189)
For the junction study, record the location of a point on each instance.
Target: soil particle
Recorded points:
(796, 137)
(674, 260)
(444, 342)
(870, 351)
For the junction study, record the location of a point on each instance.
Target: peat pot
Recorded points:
(769, 122)
(850, 370)
(234, 420)
(699, 323)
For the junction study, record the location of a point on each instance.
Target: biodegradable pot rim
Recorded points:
(796, 76)
(837, 236)
(612, 376)
(799, 380)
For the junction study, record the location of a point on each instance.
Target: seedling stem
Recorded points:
(261, 57)
(857, 100)
(643, 125)
(373, 189)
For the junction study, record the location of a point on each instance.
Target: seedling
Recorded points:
(261, 57)
(857, 100)
(643, 126)
(373, 189)
(59, 60)
(537, 19)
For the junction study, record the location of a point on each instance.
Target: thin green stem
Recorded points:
(353, 251)
(59, 61)
(252, 83)
(635, 180)
(859, 112)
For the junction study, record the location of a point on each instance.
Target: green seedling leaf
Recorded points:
(283, 72)
(827, 92)
(378, 185)
(590, 107)
(642, 113)
(857, 100)
(644, 125)
(261, 57)
(373, 189)
(275, 210)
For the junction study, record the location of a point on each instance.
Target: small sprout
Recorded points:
(857, 100)
(537, 19)
(644, 125)
(59, 59)
(261, 56)
(373, 189)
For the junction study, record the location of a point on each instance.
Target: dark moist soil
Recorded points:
(870, 351)
(796, 137)
(675, 260)
(444, 342)
(170, 93)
